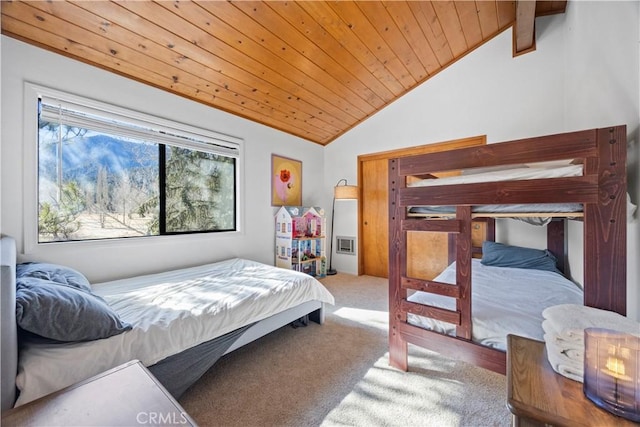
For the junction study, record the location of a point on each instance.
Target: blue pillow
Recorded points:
(54, 273)
(64, 313)
(501, 255)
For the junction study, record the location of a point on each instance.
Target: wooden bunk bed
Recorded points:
(601, 189)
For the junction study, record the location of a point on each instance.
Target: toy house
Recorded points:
(300, 239)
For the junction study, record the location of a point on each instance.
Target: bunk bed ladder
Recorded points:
(400, 282)
(460, 227)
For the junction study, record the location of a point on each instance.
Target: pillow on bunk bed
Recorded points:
(54, 273)
(62, 312)
(501, 255)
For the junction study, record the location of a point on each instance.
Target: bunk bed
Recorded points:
(599, 189)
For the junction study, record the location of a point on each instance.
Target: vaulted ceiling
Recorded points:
(314, 69)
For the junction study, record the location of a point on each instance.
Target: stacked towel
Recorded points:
(564, 327)
(567, 360)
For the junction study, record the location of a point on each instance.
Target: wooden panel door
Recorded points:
(375, 218)
(373, 230)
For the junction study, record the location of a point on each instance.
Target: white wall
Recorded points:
(602, 88)
(584, 74)
(104, 261)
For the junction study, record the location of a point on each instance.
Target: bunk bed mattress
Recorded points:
(504, 301)
(507, 174)
(519, 173)
(537, 208)
(170, 313)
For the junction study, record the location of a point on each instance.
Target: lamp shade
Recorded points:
(612, 371)
(341, 192)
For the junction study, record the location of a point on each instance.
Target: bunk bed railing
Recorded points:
(575, 145)
(431, 311)
(431, 286)
(582, 189)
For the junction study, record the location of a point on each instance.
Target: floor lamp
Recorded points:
(342, 191)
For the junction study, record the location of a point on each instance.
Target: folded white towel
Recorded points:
(568, 321)
(548, 327)
(568, 348)
(566, 370)
(568, 363)
(552, 329)
(552, 335)
(564, 327)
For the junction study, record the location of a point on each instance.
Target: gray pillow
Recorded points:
(501, 255)
(64, 313)
(54, 273)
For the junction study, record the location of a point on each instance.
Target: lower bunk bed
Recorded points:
(505, 300)
(452, 313)
(177, 323)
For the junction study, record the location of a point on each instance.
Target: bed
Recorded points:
(594, 193)
(529, 292)
(177, 323)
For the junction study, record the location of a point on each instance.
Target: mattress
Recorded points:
(170, 312)
(505, 301)
(536, 208)
(523, 172)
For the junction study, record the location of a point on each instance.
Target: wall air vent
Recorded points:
(346, 245)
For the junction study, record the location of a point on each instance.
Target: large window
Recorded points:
(106, 173)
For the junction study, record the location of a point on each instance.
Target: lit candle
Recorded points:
(612, 371)
(615, 367)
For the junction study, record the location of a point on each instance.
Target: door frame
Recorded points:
(472, 141)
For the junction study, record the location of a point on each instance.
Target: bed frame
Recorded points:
(601, 190)
(9, 327)
(311, 310)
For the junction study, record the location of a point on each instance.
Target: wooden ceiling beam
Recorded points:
(524, 39)
(545, 8)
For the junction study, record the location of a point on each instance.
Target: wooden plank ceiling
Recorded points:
(314, 69)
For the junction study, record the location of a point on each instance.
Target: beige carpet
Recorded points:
(337, 374)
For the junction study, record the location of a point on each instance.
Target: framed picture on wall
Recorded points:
(286, 181)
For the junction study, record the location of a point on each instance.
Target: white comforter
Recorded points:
(504, 301)
(170, 312)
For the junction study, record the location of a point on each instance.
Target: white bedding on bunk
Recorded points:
(523, 172)
(514, 174)
(170, 312)
(504, 301)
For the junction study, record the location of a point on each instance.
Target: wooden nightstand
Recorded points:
(538, 396)
(127, 395)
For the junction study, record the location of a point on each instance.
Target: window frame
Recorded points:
(33, 92)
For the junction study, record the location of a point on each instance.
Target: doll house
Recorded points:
(300, 239)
